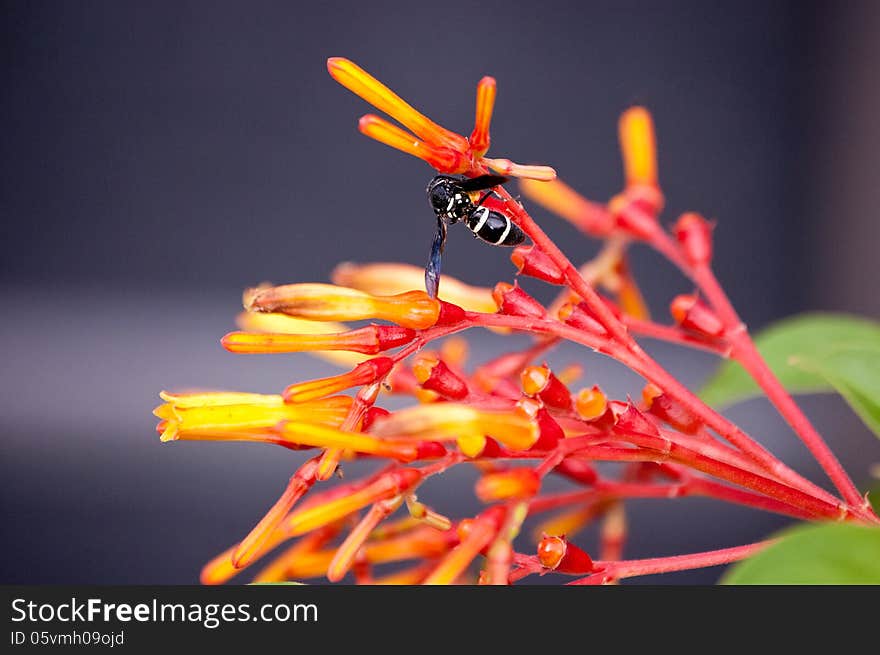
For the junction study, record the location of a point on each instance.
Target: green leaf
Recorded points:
(812, 353)
(833, 553)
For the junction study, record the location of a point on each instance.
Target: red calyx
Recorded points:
(532, 261)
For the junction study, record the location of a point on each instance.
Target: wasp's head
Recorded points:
(447, 199)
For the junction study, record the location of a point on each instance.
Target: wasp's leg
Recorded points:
(432, 270)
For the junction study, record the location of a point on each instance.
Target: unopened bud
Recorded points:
(694, 315)
(513, 301)
(694, 234)
(532, 261)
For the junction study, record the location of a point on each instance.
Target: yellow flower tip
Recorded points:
(219, 569)
(524, 171)
(252, 546)
(637, 144)
(361, 83)
(168, 430)
(590, 403)
(471, 445)
(515, 484)
(426, 515)
(480, 139)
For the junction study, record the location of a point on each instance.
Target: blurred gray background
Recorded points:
(158, 157)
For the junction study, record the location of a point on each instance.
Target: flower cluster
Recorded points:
(513, 418)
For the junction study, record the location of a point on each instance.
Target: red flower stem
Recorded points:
(694, 486)
(829, 510)
(745, 352)
(609, 571)
(653, 372)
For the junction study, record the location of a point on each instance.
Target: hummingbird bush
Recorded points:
(513, 418)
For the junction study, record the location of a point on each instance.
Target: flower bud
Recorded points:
(557, 554)
(590, 403)
(694, 315)
(532, 261)
(433, 374)
(579, 316)
(539, 381)
(513, 301)
(694, 234)
(666, 409)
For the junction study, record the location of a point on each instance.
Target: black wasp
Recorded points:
(452, 201)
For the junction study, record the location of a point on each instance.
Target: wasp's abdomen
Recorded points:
(494, 227)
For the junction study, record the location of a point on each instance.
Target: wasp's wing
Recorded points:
(432, 270)
(482, 182)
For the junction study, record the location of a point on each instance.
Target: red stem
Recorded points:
(745, 352)
(609, 571)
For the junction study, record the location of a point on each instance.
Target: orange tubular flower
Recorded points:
(224, 416)
(442, 149)
(251, 546)
(389, 485)
(366, 372)
(384, 279)
(327, 302)
(475, 536)
(639, 148)
(370, 340)
(346, 553)
(451, 421)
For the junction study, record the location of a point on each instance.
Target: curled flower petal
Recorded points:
(480, 140)
(361, 83)
(384, 279)
(413, 309)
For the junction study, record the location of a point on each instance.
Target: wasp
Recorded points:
(452, 199)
